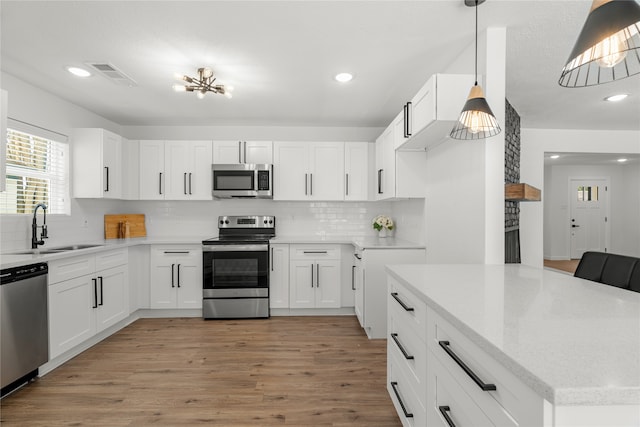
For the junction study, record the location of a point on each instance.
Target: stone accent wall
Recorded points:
(511, 163)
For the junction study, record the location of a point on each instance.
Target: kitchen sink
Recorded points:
(53, 250)
(74, 247)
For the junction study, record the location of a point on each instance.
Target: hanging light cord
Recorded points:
(476, 64)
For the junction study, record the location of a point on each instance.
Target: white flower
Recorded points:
(383, 221)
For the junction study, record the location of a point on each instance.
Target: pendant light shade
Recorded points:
(608, 47)
(476, 120)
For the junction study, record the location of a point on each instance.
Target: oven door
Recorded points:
(236, 270)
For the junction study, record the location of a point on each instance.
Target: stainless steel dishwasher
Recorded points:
(24, 327)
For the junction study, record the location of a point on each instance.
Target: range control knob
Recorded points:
(270, 221)
(265, 221)
(221, 222)
(226, 221)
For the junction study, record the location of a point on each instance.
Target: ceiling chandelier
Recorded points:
(608, 47)
(476, 120)
(202, 84)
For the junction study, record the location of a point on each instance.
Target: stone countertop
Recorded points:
(9, 259)
(359, 242)
(573, 341)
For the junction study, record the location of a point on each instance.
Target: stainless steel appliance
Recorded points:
(236, 268)
(242, 181)
(24, 328)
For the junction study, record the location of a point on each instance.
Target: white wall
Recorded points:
(534, 143)
(623, 201)
(464, 206)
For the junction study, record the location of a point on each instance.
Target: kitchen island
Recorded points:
(561, 350)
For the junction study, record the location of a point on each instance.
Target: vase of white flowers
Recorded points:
(383, 225)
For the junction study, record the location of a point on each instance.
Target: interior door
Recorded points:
(588, 229)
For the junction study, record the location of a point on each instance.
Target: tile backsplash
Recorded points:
(199, 219)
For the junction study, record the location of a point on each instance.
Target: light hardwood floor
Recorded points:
(568, 265)
(295, 371)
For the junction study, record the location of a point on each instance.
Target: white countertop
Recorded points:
(573, 341)
(359, 242)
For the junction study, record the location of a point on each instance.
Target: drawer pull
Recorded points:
(474, 377)
(405, 306)
(315, 252)
(394, 385)
(404, 352)
(443, 410)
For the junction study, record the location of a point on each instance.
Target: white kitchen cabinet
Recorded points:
(176, 277)
(308, 171)
(97, 163)
(231, 152)
(356, 171)
(175, 170)
(4, 103)
(371, 286)
(315, 279)
(87, 294)
(130, 169)
(399, 174)
(279, 276)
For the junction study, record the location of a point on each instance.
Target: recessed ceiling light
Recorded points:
(343, 77)
(78, 72)
(622, 160)
(616, 98)
(554, 156)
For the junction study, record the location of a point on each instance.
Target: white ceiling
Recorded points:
(281, 56)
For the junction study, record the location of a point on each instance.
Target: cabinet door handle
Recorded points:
(239, 151)
(184, 183)
(106, 168)
(401, 347)
(172, 268)
(312, 275)
(95, 293)
(101, 290)
(317, 275)
(394, 385)
(405, 306)
(357, 256)
(315, 252)
(404, 120)
(407, 119)
(190, 183)
(245, 151)
(311, 184)
(353, 277)
(484, 386)
(178, 281)
(346, 184)
(176, 252)
(306, 185)
(379, 181)
(160, 183)
(444, 411)
(271, 259)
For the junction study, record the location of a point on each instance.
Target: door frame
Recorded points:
(607, 209)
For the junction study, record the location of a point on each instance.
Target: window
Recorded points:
(37, 172)
(587, 194)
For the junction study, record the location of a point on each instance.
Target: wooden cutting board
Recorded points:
(115, 226)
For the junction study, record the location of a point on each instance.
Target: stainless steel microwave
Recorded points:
(242, 181)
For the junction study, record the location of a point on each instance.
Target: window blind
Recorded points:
(37, 172)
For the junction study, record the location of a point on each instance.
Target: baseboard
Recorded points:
(343, 311)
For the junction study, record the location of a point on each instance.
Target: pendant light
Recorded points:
(476, 121)
(608, 47)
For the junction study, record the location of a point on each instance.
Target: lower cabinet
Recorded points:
(315, 276)
(279, 276)
(87, 294)
(176, 277)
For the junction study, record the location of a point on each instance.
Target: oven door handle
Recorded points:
(236, 248)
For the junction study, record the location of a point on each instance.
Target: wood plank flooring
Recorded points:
(568, 265)
(283, 371)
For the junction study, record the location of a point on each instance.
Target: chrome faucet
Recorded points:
(34, 227)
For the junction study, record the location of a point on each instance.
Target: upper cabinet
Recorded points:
(309, 170)
(356, 171)
(175, 170)
(3, 140)
(432, 112)
(385, 165)
(257, 152)
(97, 160)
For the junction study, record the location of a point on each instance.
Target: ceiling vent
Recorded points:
(112, 73)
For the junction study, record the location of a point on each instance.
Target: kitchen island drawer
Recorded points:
(410, 410)
(409, 351)
(410, 310)
(502, 397)
(448, 404)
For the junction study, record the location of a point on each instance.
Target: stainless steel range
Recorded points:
(236, 268)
